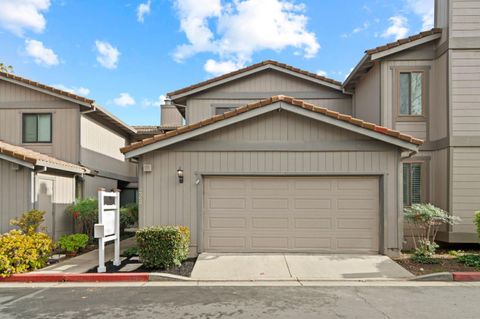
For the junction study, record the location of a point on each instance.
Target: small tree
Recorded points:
(426, 220)
(6, 68)
(85, 212)
(477, 222)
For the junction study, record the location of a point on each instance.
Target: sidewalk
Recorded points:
(83, 263)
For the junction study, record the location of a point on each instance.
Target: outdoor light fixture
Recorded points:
(180, 175)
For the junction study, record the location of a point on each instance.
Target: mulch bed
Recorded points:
(184, 270)
(446, 263)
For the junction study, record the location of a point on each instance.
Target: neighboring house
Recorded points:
(55, 147)
(330, 169)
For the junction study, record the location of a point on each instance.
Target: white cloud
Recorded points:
(359, 29)
(219, 68)
(322, 73)
(17, 16)
(425, 9)
(142, 10)
(74, 90)
(124, 99)
(398, 28)
(40, 54)
(154, 103)
(107, 54)
(243, 27)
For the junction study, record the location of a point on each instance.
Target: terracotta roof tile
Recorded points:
(37, 158)
(249, 68)
(403, 41)
(287, 99)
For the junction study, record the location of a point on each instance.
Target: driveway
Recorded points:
(215, 266)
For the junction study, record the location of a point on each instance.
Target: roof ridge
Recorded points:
(403, 41)
(251, 67)
(291, 100)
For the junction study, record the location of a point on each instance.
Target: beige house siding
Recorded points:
(367, 96)
(92, 184)
(465, 21)
(14, 192)
(264, 85)
(465, 186)
(465, 90)
(438, 115)
(15, 100)
(100, 149)
(163, 200)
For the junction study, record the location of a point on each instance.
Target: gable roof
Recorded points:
(387, 49)
(329, 116)
(39, 159)
(89, 103)
(267, 64)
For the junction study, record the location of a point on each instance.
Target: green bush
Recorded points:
(85, 212)
(29, 222)
(163, 246)
(128, 216)
(470, 260)
(477, 222)
(20, 252)
(130, 252)
(73, 243)
(426, 220)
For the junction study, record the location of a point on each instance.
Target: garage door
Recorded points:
(291, 214)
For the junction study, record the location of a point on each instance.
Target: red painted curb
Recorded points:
(466, 276)
(67, 277)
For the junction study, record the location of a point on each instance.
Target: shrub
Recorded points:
(20, 252)
(477, 222)
(73, 243)
(163, 246)
(470, 260)
(29, 222)
(128, 216)
(426, 220)
(85, 211)
(130, 252)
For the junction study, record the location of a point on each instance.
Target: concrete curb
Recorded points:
(70, 277)
(449, 276)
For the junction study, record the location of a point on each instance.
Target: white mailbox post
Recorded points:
(108, 227)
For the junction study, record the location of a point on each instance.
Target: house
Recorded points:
(54, 147)
(273, 158)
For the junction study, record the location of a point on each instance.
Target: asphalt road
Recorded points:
(241, 302)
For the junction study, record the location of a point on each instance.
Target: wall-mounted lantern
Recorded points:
(180, 175)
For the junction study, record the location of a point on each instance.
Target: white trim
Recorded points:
(408, 45)
(265, 109)
(16, 161)
(253, 71)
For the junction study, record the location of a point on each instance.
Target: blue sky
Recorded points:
(127, 54)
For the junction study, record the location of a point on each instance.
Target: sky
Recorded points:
(127, 54)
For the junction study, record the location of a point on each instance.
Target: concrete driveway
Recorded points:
(210, 266)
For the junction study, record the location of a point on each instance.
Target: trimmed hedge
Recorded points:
(163, 246)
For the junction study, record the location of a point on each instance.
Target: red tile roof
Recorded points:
(37, 158)
(251, 67)
(287, 99)
(403, 41)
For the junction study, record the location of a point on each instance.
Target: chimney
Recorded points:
(169, 115)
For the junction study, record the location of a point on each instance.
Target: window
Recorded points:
(223, 109)
(411, 93)
(37, 128)
(412, 183)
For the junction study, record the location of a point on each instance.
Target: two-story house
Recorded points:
(55, 147)
(273, 158)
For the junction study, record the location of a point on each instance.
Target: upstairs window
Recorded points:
(37, 128)
(411, 94)
(412, 184)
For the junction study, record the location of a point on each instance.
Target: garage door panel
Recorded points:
(294, 214)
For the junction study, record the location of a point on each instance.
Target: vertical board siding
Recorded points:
(367, 96)
(15, 100)
(465, 18)
(465, 90)
(438, 112)
(14, 193)
(265, 84)
(466, 186)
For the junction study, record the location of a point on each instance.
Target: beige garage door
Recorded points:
(297, 214)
